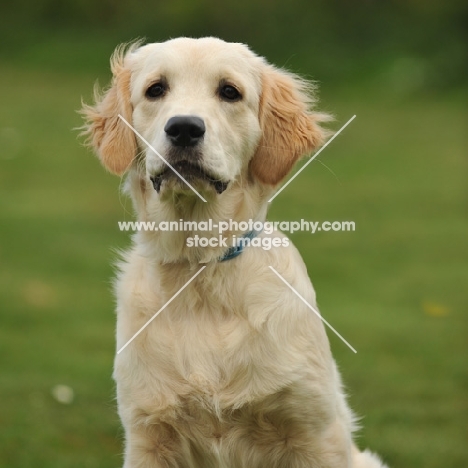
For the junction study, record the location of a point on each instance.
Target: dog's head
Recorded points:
(210, 111)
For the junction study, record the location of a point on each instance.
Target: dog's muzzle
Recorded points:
(185, 133)
(190, 171)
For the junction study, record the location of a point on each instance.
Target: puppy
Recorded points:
(235, 371)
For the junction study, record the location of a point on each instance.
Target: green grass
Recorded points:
(395, 288)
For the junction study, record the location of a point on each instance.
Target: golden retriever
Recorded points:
(235, 372)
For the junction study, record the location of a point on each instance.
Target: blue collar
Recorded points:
(236, 250)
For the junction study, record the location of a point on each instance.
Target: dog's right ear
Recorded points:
(113, 141)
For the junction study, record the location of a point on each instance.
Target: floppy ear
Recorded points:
(289, 129)
(113, 141)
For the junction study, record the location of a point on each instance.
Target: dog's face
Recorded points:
(214, 111)
(196, 103)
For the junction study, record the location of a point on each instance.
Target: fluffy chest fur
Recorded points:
(216, 360)
(218, 341)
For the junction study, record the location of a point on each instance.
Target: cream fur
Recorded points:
(236, 372)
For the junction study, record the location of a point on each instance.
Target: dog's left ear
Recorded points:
(289, 128)
(113, 141)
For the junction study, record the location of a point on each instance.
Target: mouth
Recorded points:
(190, 172)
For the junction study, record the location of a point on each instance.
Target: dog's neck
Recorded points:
(173, 246)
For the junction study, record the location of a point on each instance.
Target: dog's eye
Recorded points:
(156, 90)
(229, 93)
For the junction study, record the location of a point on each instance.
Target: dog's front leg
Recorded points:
(281, 441)
(154, 446)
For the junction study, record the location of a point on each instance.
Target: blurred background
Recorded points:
(396, 288)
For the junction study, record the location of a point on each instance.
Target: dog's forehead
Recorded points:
(196, 57)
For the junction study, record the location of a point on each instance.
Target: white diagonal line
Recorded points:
(312, 158)
(313, 309)
(161, 309)
(157, 154)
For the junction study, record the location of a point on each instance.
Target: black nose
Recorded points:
(185, 130)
